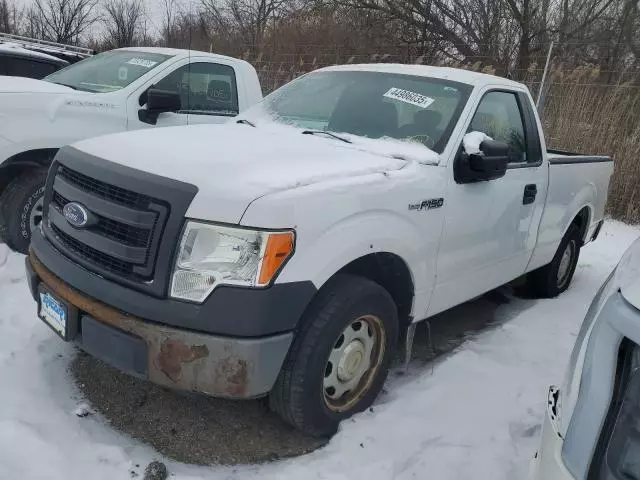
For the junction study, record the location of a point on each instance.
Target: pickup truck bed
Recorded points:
(560, 157)
(574, 180)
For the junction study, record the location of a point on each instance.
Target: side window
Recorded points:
(23, 67)
(499, 116)
(204, 88)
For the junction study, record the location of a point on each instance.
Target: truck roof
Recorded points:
(446, 73)
(179, 51)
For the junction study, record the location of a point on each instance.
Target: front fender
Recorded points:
(40, 121)
(319, 257)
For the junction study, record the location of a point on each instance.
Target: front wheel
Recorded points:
(340, 359)
(555, 277)
(21, 208)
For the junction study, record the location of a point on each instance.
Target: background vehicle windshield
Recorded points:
(371, 104)
(108, 71)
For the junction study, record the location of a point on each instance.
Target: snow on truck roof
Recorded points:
(15, 48)
(445, 73)
(179, 51)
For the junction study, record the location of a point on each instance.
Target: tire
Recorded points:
(546, 282)
(300, 395)
(22, 198)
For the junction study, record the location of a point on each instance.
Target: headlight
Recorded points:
(212, 255)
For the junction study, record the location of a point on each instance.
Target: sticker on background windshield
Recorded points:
(123, 73)
(141, 62)
(409, 97)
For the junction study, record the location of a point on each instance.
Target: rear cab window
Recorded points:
(19, 66)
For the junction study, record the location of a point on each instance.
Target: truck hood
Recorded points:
(233, 164)
(29, 85)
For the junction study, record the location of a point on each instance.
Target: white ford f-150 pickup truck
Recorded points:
(115, 91)
(286, 252)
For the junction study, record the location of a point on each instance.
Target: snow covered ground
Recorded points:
(474, 415)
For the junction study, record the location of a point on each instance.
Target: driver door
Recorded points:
(489, 232)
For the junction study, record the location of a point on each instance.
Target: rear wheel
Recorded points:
(340, 359)
(21, 208)
(555, 277)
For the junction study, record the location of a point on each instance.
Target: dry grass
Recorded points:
(584, 116)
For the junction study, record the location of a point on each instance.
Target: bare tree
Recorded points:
(63, 21)
(170, 13)
(250, 18)
(10, 17)
(123, 21)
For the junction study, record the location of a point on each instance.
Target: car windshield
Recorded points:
(369, 104)
(108, 71)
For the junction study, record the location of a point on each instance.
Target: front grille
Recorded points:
(112, 229)
(132, 236)
(124, 230)
(133, 223)
(107, 262)
(106, 190)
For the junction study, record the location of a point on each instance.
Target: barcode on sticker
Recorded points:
(141, 62)
(409, 97)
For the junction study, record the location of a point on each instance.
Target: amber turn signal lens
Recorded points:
(279, 248)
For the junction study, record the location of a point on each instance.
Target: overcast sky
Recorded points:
(153, 9)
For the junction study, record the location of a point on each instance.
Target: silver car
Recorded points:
(591, 428)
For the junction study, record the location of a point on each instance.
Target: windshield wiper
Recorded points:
(64, 85)
(323, 132)
(244, 121)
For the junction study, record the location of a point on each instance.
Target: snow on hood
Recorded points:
(30, 85)
(233, 164)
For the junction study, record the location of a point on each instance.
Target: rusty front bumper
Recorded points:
(176, 358)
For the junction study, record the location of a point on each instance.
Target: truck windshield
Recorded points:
(369, 104)
(108, 71)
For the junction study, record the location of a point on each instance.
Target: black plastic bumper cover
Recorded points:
(229, 311)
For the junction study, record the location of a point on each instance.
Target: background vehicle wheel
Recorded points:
(340, 358)
(555, 277)
(21, 208)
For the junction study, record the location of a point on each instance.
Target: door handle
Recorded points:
(530, 192)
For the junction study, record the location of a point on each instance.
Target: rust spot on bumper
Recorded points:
(182, 359)
(234, 374)
(174, 353)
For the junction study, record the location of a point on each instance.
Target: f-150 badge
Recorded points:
(427, 204)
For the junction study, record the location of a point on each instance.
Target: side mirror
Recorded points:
(489, 163)
(159, 101)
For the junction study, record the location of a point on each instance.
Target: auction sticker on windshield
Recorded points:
(409, 97)
(141, 62)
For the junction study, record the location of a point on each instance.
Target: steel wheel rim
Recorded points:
(353, 363)
(565, 264)
(35, 217)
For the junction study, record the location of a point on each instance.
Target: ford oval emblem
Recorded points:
(76, 214)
